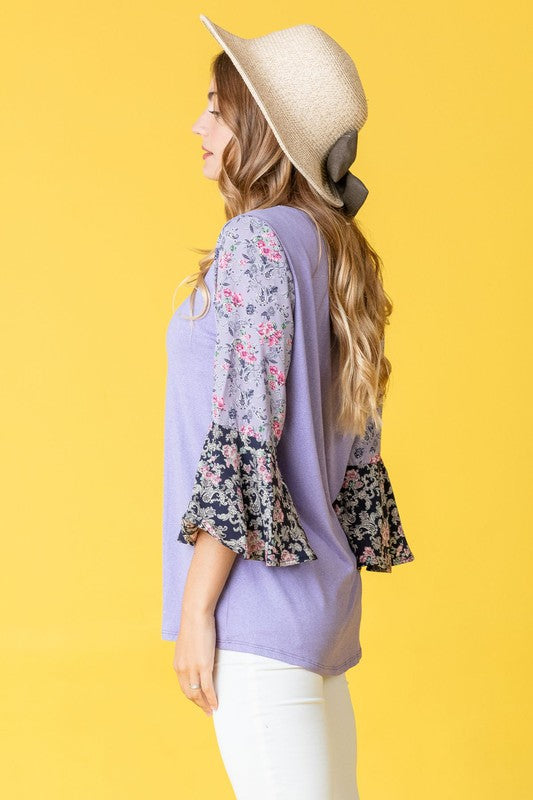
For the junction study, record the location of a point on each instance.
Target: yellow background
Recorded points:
(103, 202)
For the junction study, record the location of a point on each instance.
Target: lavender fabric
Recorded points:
(252, 456)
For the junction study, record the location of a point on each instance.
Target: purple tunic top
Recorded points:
(252, 455)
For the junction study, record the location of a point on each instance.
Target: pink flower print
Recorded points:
(270, 250)
(224, 259)
(288, 558)
(367, 556)
(262, 246)
(231, 455)
(240, 500)
(264, 328)
(276, 428)
(247, 430)
(277, 514)
(230, 300)
(218, 405)
(403, 548)
(209, 474)
(351, 475)
(245, 353)
(269, 333)
(375, 458)
(209, 527)
(279, 375)
(254, 543)
(263, 469)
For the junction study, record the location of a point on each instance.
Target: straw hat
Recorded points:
(309, 91)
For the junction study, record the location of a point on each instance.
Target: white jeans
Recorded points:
(284, 732)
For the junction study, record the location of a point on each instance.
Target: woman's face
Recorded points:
(214, 132)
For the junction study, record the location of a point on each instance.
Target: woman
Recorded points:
(275, 494)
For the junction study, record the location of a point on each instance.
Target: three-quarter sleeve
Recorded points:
(239, 495)
(367, 509)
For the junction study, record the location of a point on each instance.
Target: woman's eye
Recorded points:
(215, 113)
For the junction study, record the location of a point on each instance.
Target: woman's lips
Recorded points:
(205, 155)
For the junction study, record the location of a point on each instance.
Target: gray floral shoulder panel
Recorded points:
(239, 495)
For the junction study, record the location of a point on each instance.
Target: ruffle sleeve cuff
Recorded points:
(367, 511)
(240, 498)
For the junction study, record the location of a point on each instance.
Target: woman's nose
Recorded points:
(199, 125)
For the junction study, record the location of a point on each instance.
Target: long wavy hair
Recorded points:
(255, 173)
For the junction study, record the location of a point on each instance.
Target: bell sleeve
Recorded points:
(367, 510)
(239, 495)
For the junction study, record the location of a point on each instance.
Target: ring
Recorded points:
(194, 685)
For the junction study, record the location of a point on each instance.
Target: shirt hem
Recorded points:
(282, 655)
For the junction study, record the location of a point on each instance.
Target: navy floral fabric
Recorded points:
(368, 513)
(239, 495)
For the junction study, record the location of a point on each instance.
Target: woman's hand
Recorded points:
(195, 646)
(194, 658)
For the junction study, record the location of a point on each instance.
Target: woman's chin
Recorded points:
(209, 171)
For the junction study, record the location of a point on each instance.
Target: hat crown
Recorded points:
(307, 69)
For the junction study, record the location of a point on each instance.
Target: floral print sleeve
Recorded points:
(239, 494)
(367, 510)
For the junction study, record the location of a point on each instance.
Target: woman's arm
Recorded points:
(210, 566)
(195, 646)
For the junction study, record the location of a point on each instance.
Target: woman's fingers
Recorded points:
(208, 688)
(196, 695)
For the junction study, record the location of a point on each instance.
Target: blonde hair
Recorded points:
(255, 173)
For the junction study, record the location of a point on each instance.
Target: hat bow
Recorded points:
(340, 157)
